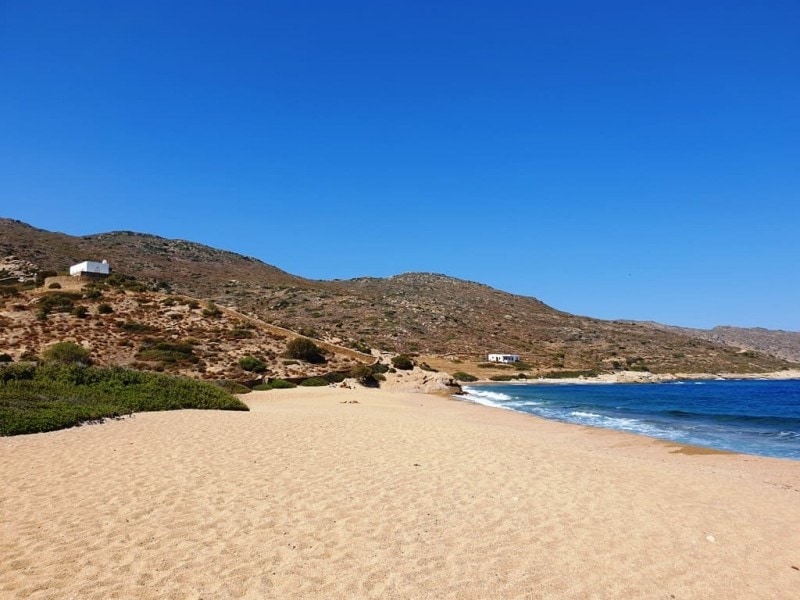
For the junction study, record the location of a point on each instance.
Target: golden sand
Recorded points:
(334, 493)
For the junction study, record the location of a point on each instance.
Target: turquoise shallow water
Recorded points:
(750, 417)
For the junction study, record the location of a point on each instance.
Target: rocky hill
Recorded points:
(421, 313)
(131, 326)
(782, 344)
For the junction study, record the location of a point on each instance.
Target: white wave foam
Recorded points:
(578, 413)
(486, 397)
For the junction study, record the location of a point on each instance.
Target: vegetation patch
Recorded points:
(49, 397)
(306, 350)
(252, 364)
(275, 384)
(403, 362)
(462, 376)
(66, 353)
(232, 387)
(569, 374)
(168, 352)
(135, 327)
(314, 382)
(366, 375)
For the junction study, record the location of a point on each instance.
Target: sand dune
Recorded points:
(338, 493)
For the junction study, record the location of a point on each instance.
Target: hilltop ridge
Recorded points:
(425, 313)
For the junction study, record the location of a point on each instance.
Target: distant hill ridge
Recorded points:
(423, 313)
(775, 342)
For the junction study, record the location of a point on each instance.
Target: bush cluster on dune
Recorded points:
(56, 396)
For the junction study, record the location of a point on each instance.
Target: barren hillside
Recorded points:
(416, 312)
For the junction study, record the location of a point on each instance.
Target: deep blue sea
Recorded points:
(750, 417)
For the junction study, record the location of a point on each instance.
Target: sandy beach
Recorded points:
(337, 493)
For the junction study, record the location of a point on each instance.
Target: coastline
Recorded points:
(333, 492)
(647, 377)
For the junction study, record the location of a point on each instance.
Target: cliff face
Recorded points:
(414, 312)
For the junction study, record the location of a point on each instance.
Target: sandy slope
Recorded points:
(395, 496)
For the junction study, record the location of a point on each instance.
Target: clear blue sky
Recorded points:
(615, 159)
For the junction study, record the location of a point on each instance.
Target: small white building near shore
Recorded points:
(504, 358)
(90, 267)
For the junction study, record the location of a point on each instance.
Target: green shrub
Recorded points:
(275, 384)
(403, 362)
(308, 332)
(501, 377)
(80, 311)
(6, 358)
(365, 375)
(335, 377)
(212, 311)
(66, 353)
(232, 387)
(462, 376)
(360, 346)
(569, 374)
(240, 333)
(37, 399)
(57, 302)
(252, 364)
(314, 382)
(105, 309)
(54, 286)
(304, 349)
(193, 304)
(168, 352)
(134, 327)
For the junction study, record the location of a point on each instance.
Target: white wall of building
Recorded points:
(504, 358)
(89, 266)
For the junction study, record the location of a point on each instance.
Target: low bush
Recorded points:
(134, 327)
(569, 374)
(275, 384)
(57, 302)
(501, 377)
(403, 362)
(212, 311)
(462, 376)
(167, 352)
(306, 350)
(104, 309)
(360, 346)
(365, 375)
(232, 387)
(314, 382)
(36, 399)
(54, 286)
(66, 353)
(6, 358)
(252, 364)
(80, 312)
(335, 377)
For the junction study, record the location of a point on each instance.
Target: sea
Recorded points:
(744, 416)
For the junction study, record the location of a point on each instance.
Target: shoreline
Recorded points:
(335, 492)
(647, 377)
